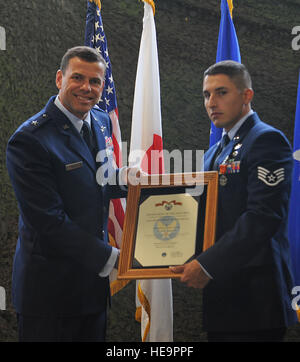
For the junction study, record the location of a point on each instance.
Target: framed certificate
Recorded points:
(169, 220)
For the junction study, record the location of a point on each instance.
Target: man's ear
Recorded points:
(58, 79)
(248, 95)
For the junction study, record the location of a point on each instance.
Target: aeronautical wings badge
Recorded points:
(270, 178)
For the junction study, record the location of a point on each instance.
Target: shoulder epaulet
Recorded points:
(35, 122)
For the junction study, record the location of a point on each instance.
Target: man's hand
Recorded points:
(192, 274)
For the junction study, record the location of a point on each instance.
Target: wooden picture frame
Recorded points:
(209, 179)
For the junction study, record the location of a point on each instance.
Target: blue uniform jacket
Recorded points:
(250, 261)
(62, 243)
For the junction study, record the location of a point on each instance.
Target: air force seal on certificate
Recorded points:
(166, 228)
(270, 178)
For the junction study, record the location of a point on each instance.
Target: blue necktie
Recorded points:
(86, 133)
(224, 142)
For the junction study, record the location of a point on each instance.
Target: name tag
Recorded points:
(74, 166)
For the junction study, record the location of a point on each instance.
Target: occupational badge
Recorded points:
(223, 180)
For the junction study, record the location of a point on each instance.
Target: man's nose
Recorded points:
(86, 86)
(211, 102)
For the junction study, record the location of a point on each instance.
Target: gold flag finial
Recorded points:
(151, 2)
(97, 2)
(230, 5)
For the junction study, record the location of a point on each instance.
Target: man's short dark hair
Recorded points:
(237, 72)
(83, 52)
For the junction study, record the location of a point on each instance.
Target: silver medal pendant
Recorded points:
(223, 180)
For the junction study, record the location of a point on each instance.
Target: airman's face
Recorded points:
(224, 102)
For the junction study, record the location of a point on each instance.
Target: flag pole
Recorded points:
(230, 5)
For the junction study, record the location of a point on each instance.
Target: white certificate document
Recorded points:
(166, 230)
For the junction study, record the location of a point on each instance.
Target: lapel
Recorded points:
(73, 139)
(235, 145)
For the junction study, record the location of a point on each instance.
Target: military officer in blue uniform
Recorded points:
(63, 259)
(246, 274)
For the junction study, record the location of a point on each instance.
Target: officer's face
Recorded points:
(224, 102)
(81, 86)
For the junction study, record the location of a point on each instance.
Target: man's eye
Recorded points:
(96, 81)
(222, 93)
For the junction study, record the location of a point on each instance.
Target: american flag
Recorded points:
(95, 38)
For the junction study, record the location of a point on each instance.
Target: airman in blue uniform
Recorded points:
(246, 274)
(63, 259)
